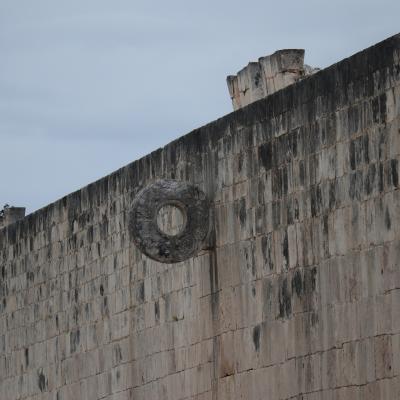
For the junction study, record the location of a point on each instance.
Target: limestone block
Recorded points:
(226, 388)
(383, 356)
(226, 362)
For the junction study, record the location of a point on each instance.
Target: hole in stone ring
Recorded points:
(171, 219)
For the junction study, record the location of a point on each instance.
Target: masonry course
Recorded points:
(294, 295)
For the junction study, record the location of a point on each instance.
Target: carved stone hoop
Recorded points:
(155, 243)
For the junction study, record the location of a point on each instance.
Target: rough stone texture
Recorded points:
(298, 299)
(270, 74)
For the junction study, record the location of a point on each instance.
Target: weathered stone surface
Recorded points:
(9, 215)
(298, 298)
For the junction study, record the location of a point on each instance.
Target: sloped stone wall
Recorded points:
(296, 295)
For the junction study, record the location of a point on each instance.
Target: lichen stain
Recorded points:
(394, 173)
(285, 250)
(388, 221)
(242, 212)
(157, 311)
(74, 340)
(266, 155)
(213, 271)
(303, 284)
(140, 293)
(26, 352)
(297, 283)
(41, 381)
(285, 300)
(256, 337)
(267, 251)
(118, 353)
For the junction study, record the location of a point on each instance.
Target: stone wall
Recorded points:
(296, 296)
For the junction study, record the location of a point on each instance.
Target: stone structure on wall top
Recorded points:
(266, 76)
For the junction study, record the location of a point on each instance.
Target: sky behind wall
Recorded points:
(87, 86)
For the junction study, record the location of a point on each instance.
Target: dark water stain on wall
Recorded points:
(256, 337)
(26, 354)
(42, 382)
(266, 247)
(301, 283)
(297, 283)
(285, 300)
(74, 340)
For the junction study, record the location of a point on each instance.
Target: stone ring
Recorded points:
(170, 246)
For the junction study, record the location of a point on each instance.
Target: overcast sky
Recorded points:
(87, 86)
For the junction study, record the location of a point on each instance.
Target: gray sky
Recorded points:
(87, 86)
